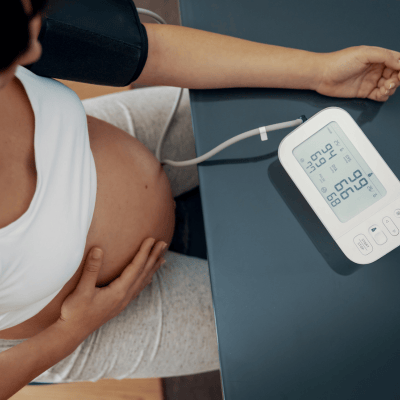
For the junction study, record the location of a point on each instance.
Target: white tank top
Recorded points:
(42, 250)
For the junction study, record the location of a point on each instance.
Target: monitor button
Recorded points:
(362, 244)
(377, 234)
(390, 226)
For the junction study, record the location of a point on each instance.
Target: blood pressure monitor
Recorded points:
(346, 182)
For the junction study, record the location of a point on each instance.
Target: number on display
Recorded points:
(321, 160)
(345, 194)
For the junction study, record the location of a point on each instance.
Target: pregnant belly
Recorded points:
(134, 201)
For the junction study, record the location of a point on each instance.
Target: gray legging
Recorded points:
(169, 329)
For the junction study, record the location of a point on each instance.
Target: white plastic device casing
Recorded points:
(355, 237)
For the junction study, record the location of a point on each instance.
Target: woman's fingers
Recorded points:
(387, 72)
(153, 263)
(147, 276)
(387, 81)
(154, 257)
(156, 254)
(388, 88)
(142, 263)
(135, 268)
(388, 84)
(94, 261)
(146, 280)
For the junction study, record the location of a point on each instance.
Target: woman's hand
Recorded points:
(360, 71)
(89, 307)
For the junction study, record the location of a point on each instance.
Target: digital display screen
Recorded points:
(338, 171)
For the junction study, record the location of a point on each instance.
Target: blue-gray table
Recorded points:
(295, 319)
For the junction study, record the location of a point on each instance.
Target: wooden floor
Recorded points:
(104, 389)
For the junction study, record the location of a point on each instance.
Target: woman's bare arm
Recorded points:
(195, 59)
(24, 362)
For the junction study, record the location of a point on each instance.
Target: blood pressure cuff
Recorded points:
(101, 42)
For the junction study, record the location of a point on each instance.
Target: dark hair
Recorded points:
(14, 29)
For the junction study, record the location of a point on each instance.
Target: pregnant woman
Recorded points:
(78, 175)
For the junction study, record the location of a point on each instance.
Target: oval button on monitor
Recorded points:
(390, 226)
(362, 244)
(377, 234)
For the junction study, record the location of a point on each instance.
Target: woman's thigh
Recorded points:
(144, 113)
(168, 330)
